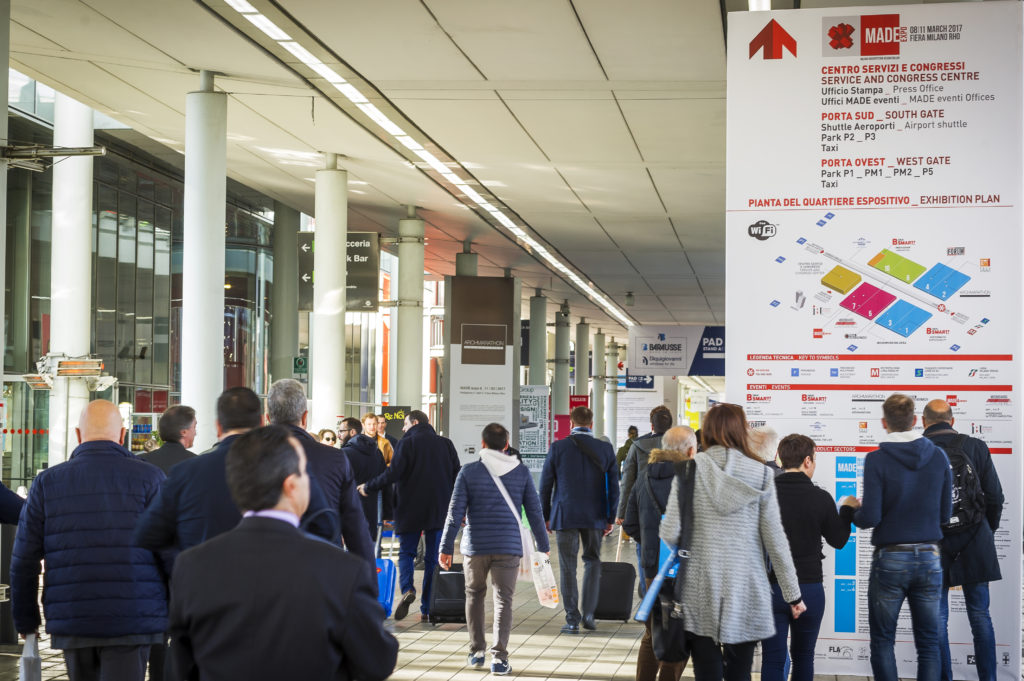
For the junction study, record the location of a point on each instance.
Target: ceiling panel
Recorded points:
(685, 39)
(577, 131)
(525, 40)
(615, 192)
(568, 232)
(385, 39)
(641, 234)
(681, 130)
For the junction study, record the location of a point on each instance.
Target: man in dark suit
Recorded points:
(265, 601)
(367, 461)
(969, 556)
(579, 489)
(177, 428)
(286, 406)
(194, 504)
(423, 472)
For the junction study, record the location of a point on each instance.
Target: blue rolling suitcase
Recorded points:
(387, 574)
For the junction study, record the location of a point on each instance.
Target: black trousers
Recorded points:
(720, 661)
(107, 663)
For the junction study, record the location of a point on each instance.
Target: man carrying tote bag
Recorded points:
(489, 495)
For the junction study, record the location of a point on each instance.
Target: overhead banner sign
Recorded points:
(677, 350)
(362, 276)
(362, 280)
(873, 238)
(305, 271)
(482, 327)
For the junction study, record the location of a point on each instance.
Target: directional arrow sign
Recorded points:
(772, 39)
(306, 270)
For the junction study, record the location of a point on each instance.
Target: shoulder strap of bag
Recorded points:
(686, 474)
(587, 451)
(584, 447)
(650, 491)
(504, 495)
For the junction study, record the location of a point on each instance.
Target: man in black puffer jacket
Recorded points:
(644, 508)
(367, 462)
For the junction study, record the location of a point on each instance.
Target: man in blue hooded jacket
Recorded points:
(908, 494)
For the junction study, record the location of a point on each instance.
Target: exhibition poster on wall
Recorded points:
(534, 425)
(483, 325)
(874, 246)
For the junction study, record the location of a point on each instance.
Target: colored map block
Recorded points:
(868, 301)
(903, 318)
(841, 279)
(942, 281)
(896, 265)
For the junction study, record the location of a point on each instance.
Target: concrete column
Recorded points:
(560, 388)
(70, 270)
(611, 387)
(466, 262)
(538, 339)
(284, 325)
(327, 335)
(409, 372)
(583, 358)
(598, 404)
(202, 305)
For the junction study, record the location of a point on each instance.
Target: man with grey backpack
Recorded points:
(969, 558)
(490, 495)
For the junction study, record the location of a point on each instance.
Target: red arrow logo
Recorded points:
(772, 39)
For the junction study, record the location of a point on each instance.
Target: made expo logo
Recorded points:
(869, 35)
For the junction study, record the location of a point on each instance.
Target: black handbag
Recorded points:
(668, 630)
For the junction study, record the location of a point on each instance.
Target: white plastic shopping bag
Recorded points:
(31, 666)
(544, 580)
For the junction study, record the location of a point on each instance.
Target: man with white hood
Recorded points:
(486, 492)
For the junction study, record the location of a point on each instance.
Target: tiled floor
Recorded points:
(537, 650)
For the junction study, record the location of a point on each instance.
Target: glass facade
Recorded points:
(137, 289)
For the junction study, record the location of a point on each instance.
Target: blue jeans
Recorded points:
(915, 575)
(805, 634)
(976, 600)
(408, 543)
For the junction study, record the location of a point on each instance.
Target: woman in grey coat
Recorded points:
(727, 602)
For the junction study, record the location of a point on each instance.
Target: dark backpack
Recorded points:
(968, 497)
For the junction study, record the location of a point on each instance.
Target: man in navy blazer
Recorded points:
(286, 406)
(194, 504)
(264, 601)
(579, 493)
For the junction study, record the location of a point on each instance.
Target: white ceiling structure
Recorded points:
(599, 124)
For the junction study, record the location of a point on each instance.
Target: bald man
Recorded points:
(106, 598)
(969, 558)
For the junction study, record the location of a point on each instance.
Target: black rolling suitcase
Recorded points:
(618, 583)
(448, 596)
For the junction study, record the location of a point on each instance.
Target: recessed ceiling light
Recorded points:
(272, 30)
(240, 6)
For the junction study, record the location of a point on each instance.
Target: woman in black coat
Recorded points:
(644, 509)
